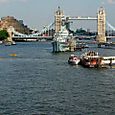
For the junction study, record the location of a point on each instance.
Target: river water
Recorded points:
(38, 82)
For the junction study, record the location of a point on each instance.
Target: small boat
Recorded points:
(1, 42)
(13, 55)
(8, 43)
(13, 43)
(73, 60)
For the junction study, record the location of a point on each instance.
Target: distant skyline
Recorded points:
(38, 13)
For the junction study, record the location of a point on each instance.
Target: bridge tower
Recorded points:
(101, 26)
(58, 19)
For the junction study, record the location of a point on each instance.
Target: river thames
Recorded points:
(38, 82)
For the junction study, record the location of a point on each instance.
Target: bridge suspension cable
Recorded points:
(46, 28)
(113, 28)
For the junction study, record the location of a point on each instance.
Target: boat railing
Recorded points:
(93, 56)
(109, 57)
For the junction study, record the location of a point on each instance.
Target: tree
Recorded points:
(3, 35)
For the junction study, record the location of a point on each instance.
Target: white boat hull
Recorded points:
(74, 62)
(60, 47)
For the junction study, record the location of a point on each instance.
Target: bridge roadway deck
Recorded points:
(37, 38)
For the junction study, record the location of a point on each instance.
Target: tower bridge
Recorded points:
(100, 18)
(60, 19)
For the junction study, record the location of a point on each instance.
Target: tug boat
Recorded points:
(73, 60)
(90, 59)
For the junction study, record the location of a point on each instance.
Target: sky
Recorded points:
(39, 13)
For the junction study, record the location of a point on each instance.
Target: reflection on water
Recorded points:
(37, 82)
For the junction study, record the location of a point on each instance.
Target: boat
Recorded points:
(1, 42)
(91, 59)
(73, 60)
(8, 43)
(63, 41)
(108, 60)
(13, 43)
(13, 55)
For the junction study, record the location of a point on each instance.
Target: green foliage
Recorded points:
(3, 34)
(80, 31)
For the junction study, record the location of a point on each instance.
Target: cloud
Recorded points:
(111, 1)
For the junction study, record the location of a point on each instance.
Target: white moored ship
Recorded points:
(61, 41)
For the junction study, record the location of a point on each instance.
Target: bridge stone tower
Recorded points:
(101, 26)
(58, 19)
